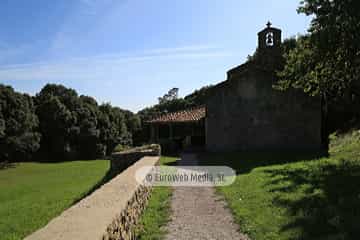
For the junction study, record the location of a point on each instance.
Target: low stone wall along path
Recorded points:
(110, 213)
(199, 213)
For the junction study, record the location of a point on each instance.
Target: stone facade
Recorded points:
(245, 112)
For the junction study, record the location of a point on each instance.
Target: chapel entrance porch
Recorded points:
(179, 131)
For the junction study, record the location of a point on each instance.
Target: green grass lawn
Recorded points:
(296, 196)
(31, 194)
(157, 213)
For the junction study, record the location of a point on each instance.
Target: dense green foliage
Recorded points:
(296, 196)
(58, 124)
(170, 102)
(172, 94)
(31, 194)
(199, 97)
(326, 62)
(75, 126)
(70, 126)
(19, 138)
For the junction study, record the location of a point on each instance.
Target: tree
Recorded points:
(77, 127)
(173, 104)
(71, 126)
(199, 97)
(133, 122)
(19, 138)
(87, 139)
(172, 94)
(56, 107)
(288, 44)
(326, 62)
(56, 122)
(113, 130)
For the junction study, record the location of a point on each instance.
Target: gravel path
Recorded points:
(199, 213)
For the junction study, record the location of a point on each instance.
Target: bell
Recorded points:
(269, 39)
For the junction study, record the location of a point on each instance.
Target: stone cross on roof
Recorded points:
(268, 24)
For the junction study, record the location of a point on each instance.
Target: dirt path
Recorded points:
(199, 213)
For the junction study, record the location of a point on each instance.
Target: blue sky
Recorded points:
(129, 52)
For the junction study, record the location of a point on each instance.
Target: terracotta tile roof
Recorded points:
(188, 115)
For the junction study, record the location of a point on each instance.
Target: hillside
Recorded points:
(287, 196)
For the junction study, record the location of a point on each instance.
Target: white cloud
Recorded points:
(110, 66)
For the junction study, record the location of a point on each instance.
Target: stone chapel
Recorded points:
(245, 112)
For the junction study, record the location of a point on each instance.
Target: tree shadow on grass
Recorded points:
(244, 162)
(329, 206)
(6, 165)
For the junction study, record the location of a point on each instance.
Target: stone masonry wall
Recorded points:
(246, 113)
(123, 225)
(122, 160)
